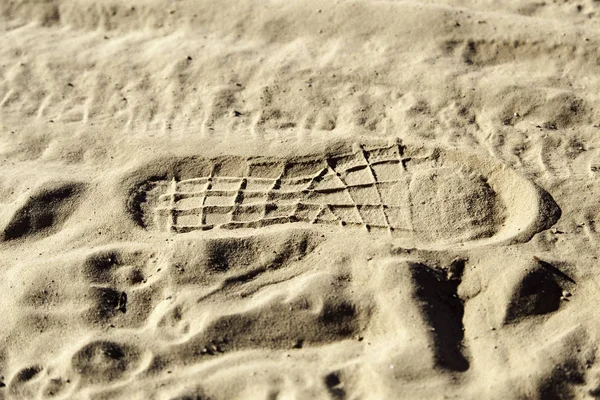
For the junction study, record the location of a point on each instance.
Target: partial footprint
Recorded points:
(44, 211)
(539, 291)
(236, 260)
(443, 310)
(315, 310)
(226, 269)
(563, 365)
(103, 361)
(277, 327)
(418, 303)
(122, 288)
(433, 197)
(24, 384)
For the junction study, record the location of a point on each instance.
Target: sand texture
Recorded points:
(275, 199)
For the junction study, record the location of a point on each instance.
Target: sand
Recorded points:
(358, 199)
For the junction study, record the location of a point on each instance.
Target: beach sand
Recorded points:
(351, 199)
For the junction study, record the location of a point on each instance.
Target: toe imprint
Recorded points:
(434, 197)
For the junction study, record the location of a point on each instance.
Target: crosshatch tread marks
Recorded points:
(419, 194)
(361, 188)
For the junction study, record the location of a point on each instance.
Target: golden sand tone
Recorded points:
(274, 199)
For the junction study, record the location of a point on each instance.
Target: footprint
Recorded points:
(23, 384)
(103, 361)
(538, 293)
(123, 286)
(233, 261)
(226, 269)
(418, 302)
(44, 211)
(434, 198)
(322, 312)
(270, 327)
(564, 364)
(443, 310)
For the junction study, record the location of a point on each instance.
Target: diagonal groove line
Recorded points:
(316, 218)
(309, 188)
(271, 192)
(330, 208)
(339, 167)
(346, 187)
(400, 152)
(363, 152)
(322, 209)
(239, 197)
(318, 175)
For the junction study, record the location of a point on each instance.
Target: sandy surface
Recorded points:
(299, 199)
